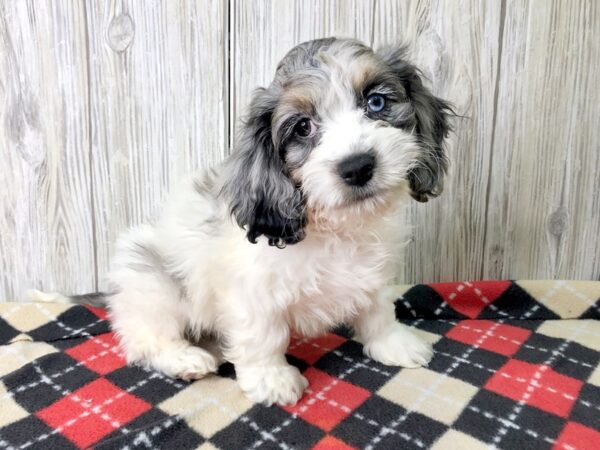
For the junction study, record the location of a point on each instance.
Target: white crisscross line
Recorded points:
(265, 435)
(65, 392)
(486, 301)
(5, 315)
(142, 436)
(93, 338)
(408, 306)
(422, 398)
(97, 410)
(563, 324)
(582, 297)
(339, 354)
(531, 387)
(321, 397)
(529, 346)
(519, 379)
(451, 401)
(558, 284)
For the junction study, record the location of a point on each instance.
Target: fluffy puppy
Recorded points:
(296, 232)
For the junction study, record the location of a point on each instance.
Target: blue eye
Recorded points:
(376, 103)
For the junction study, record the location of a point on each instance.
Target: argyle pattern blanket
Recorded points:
(516, 365)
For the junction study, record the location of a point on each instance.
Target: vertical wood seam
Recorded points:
(488, 188)
(90, 146)
(230, 75)
(226, 34)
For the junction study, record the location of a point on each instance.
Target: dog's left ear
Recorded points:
(262, 197)
(432, 116)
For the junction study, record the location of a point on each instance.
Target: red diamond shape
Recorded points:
(331, 443)
(536, 385)
(98, 354)
(470, 298)
(490, 335)
(328, 400)
(100, 312)
(93, 411)
(311, 350)
(575, 435)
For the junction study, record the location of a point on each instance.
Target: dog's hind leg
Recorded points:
(149, 314)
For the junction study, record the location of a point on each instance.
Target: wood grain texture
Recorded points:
(544, 204)
(46, 228)
(103, 105)
(158, 90)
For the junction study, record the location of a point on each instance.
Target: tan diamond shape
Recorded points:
(29, 316)
(437, 396)
(568, 299)
(10, 411)
(455, 440)
(17, 354)
(209, 404)
(584, 332)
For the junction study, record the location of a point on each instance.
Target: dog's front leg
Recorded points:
(256, 345)
(386, 340)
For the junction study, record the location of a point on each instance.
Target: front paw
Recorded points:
(282, 384)
(399, 347)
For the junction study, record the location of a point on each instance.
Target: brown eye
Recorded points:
(305, 128)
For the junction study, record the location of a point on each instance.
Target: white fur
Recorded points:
(210, 279)
(194, 272)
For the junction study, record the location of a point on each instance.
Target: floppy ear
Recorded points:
(432, 115)
(262, 197)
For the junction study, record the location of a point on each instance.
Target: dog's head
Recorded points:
(340, 130)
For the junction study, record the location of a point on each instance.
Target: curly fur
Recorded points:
(210, 264)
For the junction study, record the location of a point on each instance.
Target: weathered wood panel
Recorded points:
(105, 104)
(543, 216)
(158, 90)
(46, 228)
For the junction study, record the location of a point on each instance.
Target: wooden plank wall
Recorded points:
(103, 105)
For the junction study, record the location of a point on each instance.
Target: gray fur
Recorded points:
(97, 299)
(258, 181)
(432, 116)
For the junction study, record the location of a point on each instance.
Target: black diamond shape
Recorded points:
(530, 325)
(422, 301)
(593, 312)
(375, 419)
(153, 429)
(470, 364)
(246, 430)
(517, 304)
(157, 388)
(586, 409)
(34, 394)
(34, 434)
(441, 326)
(7, 332)
(368, 374)
(488, 413)
(575, 360)
(76, 322)
(343, 331)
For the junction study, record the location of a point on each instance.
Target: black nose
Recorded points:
(357, 170)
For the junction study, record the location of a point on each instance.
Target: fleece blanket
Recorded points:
(516, 365)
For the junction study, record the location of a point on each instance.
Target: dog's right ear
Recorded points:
(262, 197)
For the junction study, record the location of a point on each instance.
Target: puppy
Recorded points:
(296, 232)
